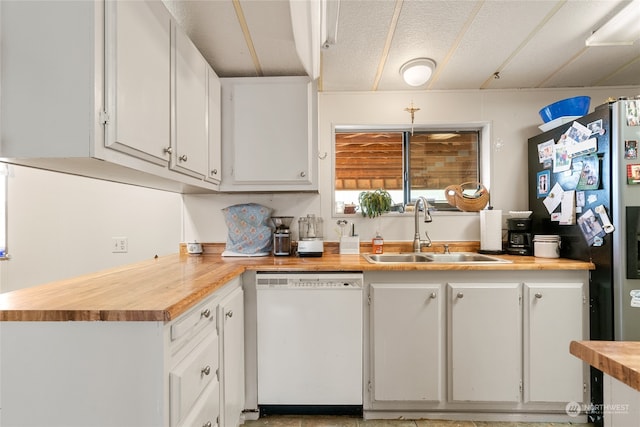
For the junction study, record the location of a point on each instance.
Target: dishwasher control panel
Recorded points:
(297, 280)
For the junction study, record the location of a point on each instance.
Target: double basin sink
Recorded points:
(424, 257)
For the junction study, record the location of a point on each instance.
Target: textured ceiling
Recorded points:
(529, 43)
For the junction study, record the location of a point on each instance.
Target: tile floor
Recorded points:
(346, 421)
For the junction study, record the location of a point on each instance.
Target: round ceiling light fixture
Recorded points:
(417, 72)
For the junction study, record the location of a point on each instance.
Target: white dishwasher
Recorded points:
(309, 332)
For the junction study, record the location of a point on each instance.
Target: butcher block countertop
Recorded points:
(162, 288)
(618, 359)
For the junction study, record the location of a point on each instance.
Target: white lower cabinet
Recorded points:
(554, 316)
(231, 319)
(407, 333)
(495, 344)
(485, 338)
(127, 373)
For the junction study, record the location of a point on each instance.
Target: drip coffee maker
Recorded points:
(520, 239)
(310, 233)
(281, 235)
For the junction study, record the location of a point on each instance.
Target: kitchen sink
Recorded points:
(423, 257)
(396, 258)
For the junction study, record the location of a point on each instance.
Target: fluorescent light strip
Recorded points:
(621, 30)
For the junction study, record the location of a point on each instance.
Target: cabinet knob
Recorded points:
(214, 172)
(183, 158)
(229, 313)
(433, 295)
(538, 295)
(205, 313)
(460, 295)
(207, 424)
(168, 150)
(206, 370)
(303, 174)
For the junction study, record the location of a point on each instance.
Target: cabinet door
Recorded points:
(554, 316)
(407, 338)
(190, 145)
(485, 342)
(231, 317)
(269, 134)
(214, 128)
(138, 79)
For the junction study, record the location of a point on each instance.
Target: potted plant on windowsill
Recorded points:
(375, 203)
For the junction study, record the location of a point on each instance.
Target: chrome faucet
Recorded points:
(418, 244)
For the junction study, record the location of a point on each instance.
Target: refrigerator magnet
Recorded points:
(633, 174)
(544, 178)
(631, 150)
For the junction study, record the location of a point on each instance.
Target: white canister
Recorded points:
(546, 246)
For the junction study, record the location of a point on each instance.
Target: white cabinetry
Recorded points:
(553, 317)
(127, 373)
(137, 78)
(190, 151)
(214, 131)
(87, 89)
(407, 336)
(231, 318)
(485, 338)
(269, 134)
(495, 343)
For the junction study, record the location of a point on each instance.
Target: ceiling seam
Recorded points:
(247, 36)
(387, 44)
(526, 41)
(618, 70)
(456, 43)
(561, 67)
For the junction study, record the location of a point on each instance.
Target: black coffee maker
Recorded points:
(520, 239)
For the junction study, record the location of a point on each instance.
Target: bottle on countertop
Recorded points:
(377, 244)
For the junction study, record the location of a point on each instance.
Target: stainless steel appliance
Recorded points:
(281, 235)
(310, 233)
(607, 188)
(519, 239)
(309, 335)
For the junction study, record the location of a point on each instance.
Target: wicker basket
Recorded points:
(473, 203)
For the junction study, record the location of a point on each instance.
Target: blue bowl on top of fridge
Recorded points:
(576, 106)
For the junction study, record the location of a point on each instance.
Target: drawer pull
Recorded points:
(229, 313)
(206, 313)
(433, 295)
(207, 424)
(460, 295)
(538, 295)
(183, 158)
(206, 370)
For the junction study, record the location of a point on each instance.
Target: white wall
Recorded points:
(61, 225)
(512, 114)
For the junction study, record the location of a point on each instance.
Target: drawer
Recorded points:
(194, 320)
(191, 376)
(206, 411)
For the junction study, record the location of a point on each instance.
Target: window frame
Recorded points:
(484, 151)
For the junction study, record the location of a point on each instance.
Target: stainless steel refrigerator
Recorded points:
(574, 176)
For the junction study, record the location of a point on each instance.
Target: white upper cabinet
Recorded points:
(92, 88)
(190, 152)
(138, 77)
(214, 128)
(269, 134)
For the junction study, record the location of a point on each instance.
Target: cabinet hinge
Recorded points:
(584, 387)
(104, 117)
(520, 387)
(369, 386)
(369, 299)
(584, 299)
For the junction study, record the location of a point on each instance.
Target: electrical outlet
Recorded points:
(119, 244)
